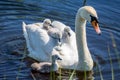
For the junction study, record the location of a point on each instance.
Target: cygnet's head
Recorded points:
(89, 13)
(55, 57)
(46, 24)
(58, 35)
(67, 31)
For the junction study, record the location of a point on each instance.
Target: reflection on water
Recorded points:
(64, 74)
(104, 49)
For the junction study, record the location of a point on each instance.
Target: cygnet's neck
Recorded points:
(54, 66)
(85, 60)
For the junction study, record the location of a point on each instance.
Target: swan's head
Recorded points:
(58, 35)
(89, 13)
(46, 24)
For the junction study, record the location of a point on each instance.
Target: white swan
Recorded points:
(40, 44)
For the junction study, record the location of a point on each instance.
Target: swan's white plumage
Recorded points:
(41, 45)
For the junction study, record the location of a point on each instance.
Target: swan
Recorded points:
(76, 53)
(46, 67)
(84, 14)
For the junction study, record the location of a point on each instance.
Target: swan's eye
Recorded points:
(94, 19)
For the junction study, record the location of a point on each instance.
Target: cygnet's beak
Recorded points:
(59, 58)
(96, 27)
(59, 39)
(51, 25)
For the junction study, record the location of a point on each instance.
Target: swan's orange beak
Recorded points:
(96, 26)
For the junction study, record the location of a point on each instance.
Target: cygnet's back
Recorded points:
(46, 67)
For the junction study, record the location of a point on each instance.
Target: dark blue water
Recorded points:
(105, 49)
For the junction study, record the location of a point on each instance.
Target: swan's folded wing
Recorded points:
(39, 43)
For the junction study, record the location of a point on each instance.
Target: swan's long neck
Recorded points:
(85, 60)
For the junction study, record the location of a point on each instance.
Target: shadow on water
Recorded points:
(13, 65)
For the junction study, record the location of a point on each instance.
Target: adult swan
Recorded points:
(41, 45)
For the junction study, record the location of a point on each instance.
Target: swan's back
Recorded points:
(41, 46)
(39, 43)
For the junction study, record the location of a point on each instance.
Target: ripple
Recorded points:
(13, 12)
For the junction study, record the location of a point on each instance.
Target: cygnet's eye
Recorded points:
(48, 23)
(45, 22)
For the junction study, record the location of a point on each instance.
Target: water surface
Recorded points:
(104, 48)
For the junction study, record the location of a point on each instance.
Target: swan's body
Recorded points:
(40, 44)
(46, 67)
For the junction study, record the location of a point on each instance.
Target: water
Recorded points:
(13, 12)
